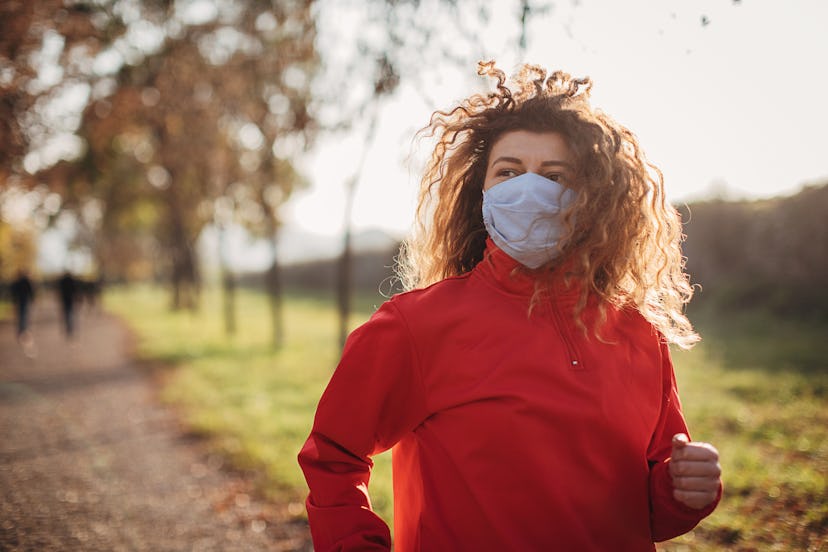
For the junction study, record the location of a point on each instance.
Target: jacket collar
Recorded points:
(509, 275)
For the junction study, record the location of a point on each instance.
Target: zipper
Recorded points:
(563, 330)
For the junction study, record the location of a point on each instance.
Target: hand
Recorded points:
(695, 470)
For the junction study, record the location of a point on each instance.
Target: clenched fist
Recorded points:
(695, 470)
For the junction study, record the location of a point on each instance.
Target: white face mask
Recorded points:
(522, 216)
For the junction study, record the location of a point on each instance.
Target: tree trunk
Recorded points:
(184, 276)
(274, 294)
(343, 281)
(184, 273)
(229, 287)
(228, 280)
(273, 285)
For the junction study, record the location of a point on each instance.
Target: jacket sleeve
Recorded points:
(373, 398)
(669, 518)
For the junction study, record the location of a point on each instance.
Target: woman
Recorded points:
(525, 381)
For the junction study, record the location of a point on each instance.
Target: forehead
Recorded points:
(526, 144)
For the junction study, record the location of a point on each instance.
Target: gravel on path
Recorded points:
(91, 461)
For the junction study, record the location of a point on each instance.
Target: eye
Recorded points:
(507, 173)
(557, 177)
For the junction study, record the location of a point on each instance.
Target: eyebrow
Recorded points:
(517, 161)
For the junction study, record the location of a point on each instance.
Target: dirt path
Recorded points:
(90, 461)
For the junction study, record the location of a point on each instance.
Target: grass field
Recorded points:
(6, 310)
(756, 387)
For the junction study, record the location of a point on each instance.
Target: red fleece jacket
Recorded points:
(510, 430)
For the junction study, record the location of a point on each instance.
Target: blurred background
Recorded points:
(233, 178)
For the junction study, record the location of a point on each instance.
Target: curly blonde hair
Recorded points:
(623, 240)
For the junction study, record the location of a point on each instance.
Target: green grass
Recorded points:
(756, 387)
(255, 404)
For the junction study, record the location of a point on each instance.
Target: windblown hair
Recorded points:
(623, 240)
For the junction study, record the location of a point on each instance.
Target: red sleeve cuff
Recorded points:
(347, 528)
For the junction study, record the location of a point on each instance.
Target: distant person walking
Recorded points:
(22, 292)
(68, 291)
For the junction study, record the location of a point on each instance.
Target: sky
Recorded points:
(727, 98)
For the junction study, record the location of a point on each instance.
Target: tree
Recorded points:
(184, 110)
(400, 43)
(212, 101)
(767, 254)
